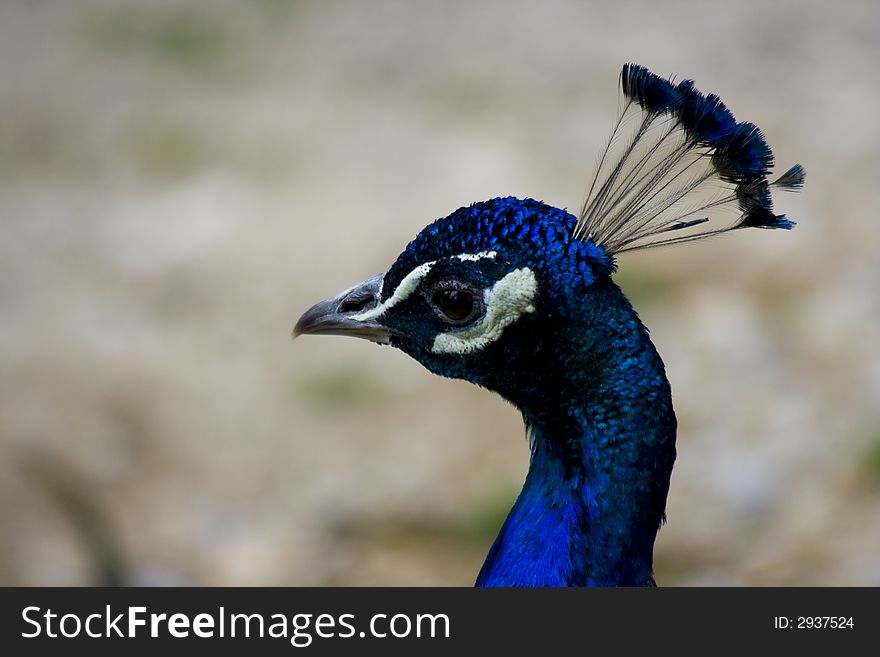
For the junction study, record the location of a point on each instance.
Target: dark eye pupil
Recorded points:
(455, 304)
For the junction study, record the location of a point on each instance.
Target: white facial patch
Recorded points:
(407, 286)
(505, 302)
(464, 257)
(410, 284)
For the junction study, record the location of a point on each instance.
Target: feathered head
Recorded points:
(676, 162)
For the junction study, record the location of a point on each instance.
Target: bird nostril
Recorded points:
(355, 303)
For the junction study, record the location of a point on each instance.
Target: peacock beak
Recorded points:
(344, 314)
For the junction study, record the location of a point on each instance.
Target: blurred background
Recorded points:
(180, 180)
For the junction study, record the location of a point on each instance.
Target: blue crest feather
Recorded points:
(686, 160)
(650, 91)
(744, 156)
(792, 180)
(705, 117)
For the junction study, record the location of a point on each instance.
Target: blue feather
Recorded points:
(687, 224)
(650, 91)
(744, 156)
(792, 180)
(705, 117)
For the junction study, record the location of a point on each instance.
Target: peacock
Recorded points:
(517, 296)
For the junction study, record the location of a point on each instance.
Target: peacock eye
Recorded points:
(454, 304)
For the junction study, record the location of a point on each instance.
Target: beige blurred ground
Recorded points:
(178, 181)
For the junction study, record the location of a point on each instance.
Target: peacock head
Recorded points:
(476, 295)
(503, 292)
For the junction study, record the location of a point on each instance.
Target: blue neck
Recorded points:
(595, 493)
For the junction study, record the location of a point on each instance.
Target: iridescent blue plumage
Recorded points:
(517, 296)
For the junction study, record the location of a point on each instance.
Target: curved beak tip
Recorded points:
(339, 315)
